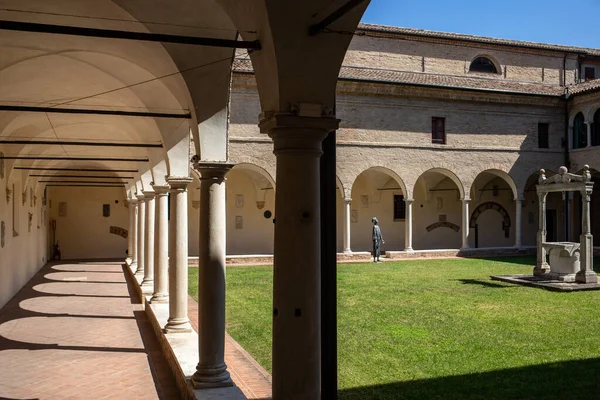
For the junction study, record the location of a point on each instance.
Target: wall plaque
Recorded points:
(62, 209)
(115, 230)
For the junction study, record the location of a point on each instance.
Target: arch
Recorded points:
(579, 139)
(490, 205)
(387, 172)
(504, 176)
(485, 64)
(450, 175)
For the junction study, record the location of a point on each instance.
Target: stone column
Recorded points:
(141, 253)
(589, 132)
(211, 370)
(178, 257)
(130, 232)
(586, 273)
(161, 246)
(541, 266)
(465, 223)
(133, 233)
(408, 226)
(518, 222)
(297, 254)
(347, 221)
(148, 282)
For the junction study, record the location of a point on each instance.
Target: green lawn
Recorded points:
(440, 329)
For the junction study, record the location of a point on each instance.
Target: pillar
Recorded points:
(297, 254)
(141, 253)
(541, 266)
(347, 221)
(161, 246)
(178, 257)
(128, 260)
(148, 282)
(133, 233)
(589, 132)
(465, 223)
(408, 226)
(211, 370)
(586, 273)
(518, 222)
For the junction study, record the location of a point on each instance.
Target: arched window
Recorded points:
(483, 64)
(579, 132)
(596, 129)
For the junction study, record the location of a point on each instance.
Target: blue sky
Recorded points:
(574, 23)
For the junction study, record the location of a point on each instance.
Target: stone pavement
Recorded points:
(74, 332)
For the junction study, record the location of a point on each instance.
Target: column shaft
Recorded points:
(586, 273)
(178, 257)
(519, 222)
(161, 247)
(211, 370)
(134, 233)
(408, 226)
(541, 266)
(589, 133)
(297, 255)
(148, 281)
(347, 222)
(130, 232)
(465, 223)
(141, 253)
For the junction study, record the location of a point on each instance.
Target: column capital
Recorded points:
(347, 200)
(179, 182)
(408, 201)
(140, 196)
(132, 201)
(465, 200)
(293, 134)
(210, 170)
(149, 194)
(161, 189)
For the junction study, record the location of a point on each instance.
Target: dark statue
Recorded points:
(377, 240)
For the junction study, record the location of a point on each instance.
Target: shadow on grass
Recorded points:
(522, 260)
(480, 282)
(561, 380)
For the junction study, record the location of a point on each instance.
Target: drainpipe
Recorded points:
(566, 154)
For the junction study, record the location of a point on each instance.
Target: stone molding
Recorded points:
(212, 171)
(179, 182)
(161, 189)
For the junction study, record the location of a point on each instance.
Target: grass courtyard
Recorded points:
(440, 329)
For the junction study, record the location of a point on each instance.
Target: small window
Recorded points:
(106, 210)
(438, 130)
(399, 207)
(589, 73)
(543, 140)
(483, 64)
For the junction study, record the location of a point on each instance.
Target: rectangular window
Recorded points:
(399, 207)
(589, 73)
(106, 210)
(438, 130)
(543, 140)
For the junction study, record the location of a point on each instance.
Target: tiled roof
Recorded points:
(583, 87)
(424, 79)
(472, 38)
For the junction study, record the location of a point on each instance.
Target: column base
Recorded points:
(348, 251)
(211, 377)
(128, 261)
(409, 250)
(586, 277)
(148, 283)
(178, 326)
(467, 247)
(139, 273)
(541, 270)
(159, 298)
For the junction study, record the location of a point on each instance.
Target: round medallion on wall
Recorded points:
(267, 214)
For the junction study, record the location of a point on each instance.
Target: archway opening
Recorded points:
(437, 211)
(378, 192)
(492, 216)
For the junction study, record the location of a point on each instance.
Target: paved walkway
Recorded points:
(73, 332)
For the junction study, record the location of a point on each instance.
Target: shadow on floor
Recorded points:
(562, 380)
(483, 283)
